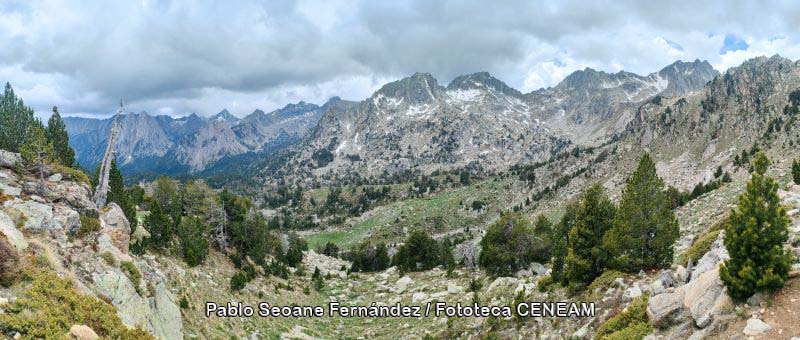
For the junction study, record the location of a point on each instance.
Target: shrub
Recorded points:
(475, 285)
(89, 224)
(631, 324)
(546, 283)
(184, 303)
(9, 261)
(605, 280)
(71, 173)
(133, 274)
(108, 258)
(796, 171)
(50, 306)
(700, 247)
(239, 280)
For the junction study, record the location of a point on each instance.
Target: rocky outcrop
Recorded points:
(12, 234)
(114, 224)
(51, 210)
(705, 298)
(702, 301)
(667, 309)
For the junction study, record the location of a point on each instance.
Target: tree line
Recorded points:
(24, 133)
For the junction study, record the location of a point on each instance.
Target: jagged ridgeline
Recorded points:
(608, 188)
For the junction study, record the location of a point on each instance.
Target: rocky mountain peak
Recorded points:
(479, 81)
(417, 89)
(224, 116)
(686, 77)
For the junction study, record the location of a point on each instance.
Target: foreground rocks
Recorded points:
(696, 305)
(47, 214)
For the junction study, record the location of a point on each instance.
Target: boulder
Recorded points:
(632, 292)
(54, 178)
(666, 309)
(82, 332)
(680, 274)
(38, 217)
(114, 224)
(454, 289)
(705, 297)
(9, 159)
(69, 219)
(667, 279)
(538, 268)
(756, 327)
(418, 297)
(6, 189)
(401, 284)
(158, 314)
(712, 258)
(12, 234)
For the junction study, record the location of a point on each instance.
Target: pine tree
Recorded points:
(645, 228)
(57, 134)
(193, 244)
(119, 195)
(754, 236)
(542, 229)
(508, 245)
(159, 226)
(15, 120)
(560, 240)
(37, 149)
(419, 252)
(796, 171)
(382, 259)
(586, 257)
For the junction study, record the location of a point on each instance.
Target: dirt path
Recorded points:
(783, 315)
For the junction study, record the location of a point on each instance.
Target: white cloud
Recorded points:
(178, 56)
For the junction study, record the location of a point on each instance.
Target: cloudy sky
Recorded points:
(176, 57)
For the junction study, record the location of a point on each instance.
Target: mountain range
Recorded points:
(476, 121)
(162, 144)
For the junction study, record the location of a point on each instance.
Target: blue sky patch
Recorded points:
(733, 43)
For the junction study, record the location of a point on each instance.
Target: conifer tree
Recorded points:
(754, 236)
(586, 258)
(508, 245)
(119, 195)
(796, 171)
(37, 149)
(382, 259)
(193, 244)
(645, 228)
(542, 230)
(15, 120)
(57, 134)
(560, 241)
(159, 226)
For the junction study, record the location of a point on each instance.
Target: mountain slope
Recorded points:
(479, 122)
(588, 105)
(162, 144)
